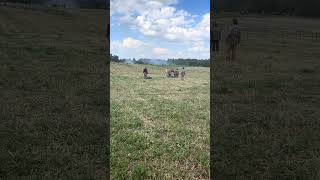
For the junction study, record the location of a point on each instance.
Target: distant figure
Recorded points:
(145, 73)
(183, 73)
(233, 40)
(172, 73)
(216, 37)
(177, 73)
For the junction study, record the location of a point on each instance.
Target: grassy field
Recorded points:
(159, 126)
(53, 94)
(265, 107)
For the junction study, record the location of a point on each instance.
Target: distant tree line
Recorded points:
(180, 61)
(115, 58)
(139, 61)
(90, 4)
(308, 8)
(190, 62)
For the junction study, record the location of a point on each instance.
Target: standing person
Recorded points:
(216, 37)
(233, 40)
(172, 73)
(177, 73)
(183, 73)
(145, 73)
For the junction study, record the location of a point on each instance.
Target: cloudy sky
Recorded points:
(160, 29)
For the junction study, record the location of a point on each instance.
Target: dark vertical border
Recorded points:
(107, 50)
(54, 111)
(274, 132)
(211, 95)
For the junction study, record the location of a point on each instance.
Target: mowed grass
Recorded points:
(265, 107)
(53, 118)
(160, 126)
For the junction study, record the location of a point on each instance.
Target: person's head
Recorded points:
(235, 21)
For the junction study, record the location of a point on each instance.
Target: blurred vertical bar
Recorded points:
(107, 44)
(211, 88)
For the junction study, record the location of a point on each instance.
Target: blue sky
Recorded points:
(160, 29)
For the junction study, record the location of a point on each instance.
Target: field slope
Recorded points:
(160, 126)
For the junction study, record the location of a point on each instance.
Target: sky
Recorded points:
(160, 29)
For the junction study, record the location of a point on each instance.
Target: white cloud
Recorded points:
(137, 6)
(169, 24)
(199, 47)
(160, 51)
(132, 43)
(161, 21)
(127, 19)
(127, 43)
(131, 48)
(168, 1)
(156, 18)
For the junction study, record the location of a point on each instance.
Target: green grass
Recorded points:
(159, 126)
(265, 106)
(53, 94)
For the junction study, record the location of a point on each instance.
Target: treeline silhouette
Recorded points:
(190, 62)
(90, 4)
(307, 8)
(179, 61)
(115, 58)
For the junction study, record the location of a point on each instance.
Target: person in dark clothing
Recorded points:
(216, 37)
(233, 40)
(145, 73)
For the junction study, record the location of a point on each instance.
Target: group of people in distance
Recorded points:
(175, 73)
(170, 73)
(232, 39)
